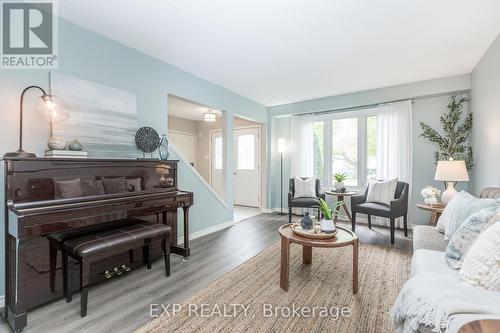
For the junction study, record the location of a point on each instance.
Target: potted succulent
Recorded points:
(327, 224)
(339, 180)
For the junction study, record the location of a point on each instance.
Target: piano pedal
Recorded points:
(117, 271)
(125, 268)
(108, 274)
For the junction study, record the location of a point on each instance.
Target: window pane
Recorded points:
(345, 149)
(371, 148)
(218, 153)
(246, 152)
(319, 149)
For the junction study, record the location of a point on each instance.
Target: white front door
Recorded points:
(247, 167)
(216, 164)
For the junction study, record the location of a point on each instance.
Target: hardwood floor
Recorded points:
(122, 304)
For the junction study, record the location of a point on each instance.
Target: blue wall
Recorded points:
(90, 56)
(485, 99)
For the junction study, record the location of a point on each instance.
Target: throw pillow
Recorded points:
(305, 188)
(114, 185)
(464, 205)
(70, 188)
(382, 191)
(466, 234)
(92, 187)
(481, 266)
(133, 185)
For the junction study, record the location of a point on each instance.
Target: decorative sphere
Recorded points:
(56, 143)
(75, 145)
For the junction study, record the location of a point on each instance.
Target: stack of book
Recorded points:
(65, 154)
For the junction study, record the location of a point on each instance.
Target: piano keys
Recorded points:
(45, 195)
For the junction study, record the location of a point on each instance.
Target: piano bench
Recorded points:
(92, 247)
(57, 239)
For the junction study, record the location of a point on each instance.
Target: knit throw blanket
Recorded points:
(432, 299)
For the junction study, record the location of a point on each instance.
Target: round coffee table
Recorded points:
(344, 237)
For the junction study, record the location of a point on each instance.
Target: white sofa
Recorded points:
(428, 256)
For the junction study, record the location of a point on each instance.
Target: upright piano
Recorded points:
(45, 195)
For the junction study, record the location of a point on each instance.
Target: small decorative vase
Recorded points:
(75, 145)
(430, 200)
(338, 186)
(163, 148)
(306, 223)
(327, 226)
(56, 143)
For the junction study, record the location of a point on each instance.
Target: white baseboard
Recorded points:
(207, 231)
(273, 210)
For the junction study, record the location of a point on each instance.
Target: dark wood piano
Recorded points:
(41, 198)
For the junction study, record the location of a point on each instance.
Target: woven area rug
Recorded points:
(325, 287)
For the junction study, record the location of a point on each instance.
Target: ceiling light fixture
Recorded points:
(210, 116)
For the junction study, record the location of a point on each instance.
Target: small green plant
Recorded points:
(340, 177)
(327, 212)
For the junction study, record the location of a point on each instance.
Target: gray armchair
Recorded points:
(302, 202)
(397, 208)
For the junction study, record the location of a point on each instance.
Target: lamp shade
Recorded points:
(281, 145)
(451, 171)
(54, 108)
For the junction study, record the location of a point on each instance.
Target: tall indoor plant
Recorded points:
(453, 143)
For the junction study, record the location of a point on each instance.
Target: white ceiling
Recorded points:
(180, 108)
(283, 51)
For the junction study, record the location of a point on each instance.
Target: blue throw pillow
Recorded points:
(467, 234)
(464, 206)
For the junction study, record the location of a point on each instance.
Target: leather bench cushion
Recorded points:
(62, 236)
(122, 238)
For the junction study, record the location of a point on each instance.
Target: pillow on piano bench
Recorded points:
(92, 187)
(69, 188)
(114, 185)
(133, 185)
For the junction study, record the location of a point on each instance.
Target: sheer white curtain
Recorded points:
(394, 144)
(302, 151)
(302, 147)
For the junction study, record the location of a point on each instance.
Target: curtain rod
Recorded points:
(370, 106)
(351, 108)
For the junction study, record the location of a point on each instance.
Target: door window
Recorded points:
(246, 152)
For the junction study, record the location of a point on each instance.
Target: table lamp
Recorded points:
(451, 172)
(55, 109)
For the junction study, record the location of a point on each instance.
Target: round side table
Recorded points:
(481, 326)
(436, 211)
(340, 197)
